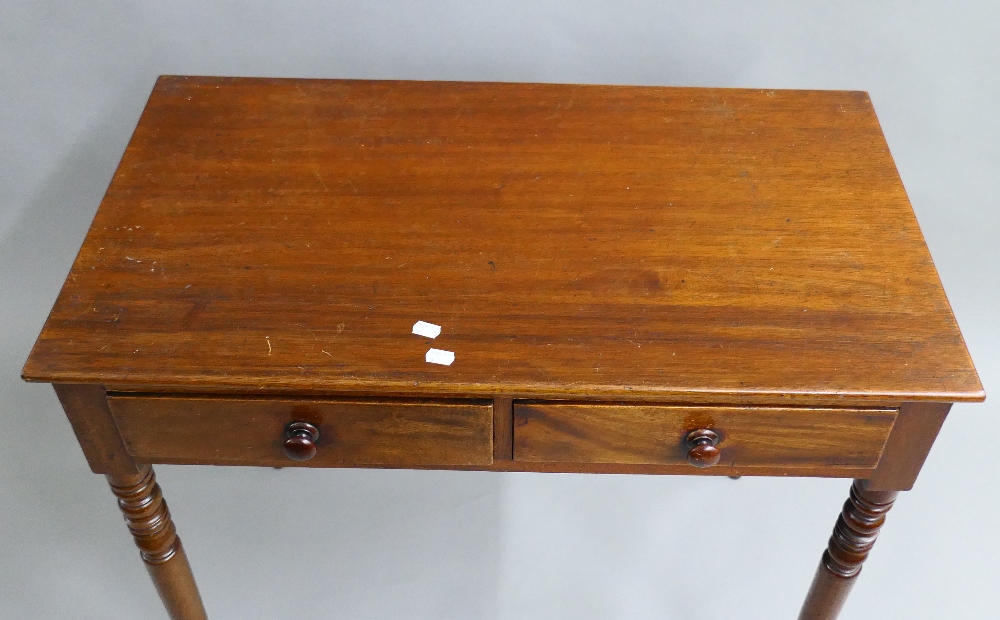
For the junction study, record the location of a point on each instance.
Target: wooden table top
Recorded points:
(667, 244)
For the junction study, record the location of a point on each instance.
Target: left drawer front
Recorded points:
(226, 431)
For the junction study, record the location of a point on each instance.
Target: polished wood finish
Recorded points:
(632, 279)
(839, 439)
(853, 537)
(300, 441)
(702, 450)
(503, 429)
(149, 521)
(352, 433)
(668, 244)
(87, 410)
(856, 530)
(916, 427)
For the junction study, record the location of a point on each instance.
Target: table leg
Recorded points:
(146, 514)
(853, 537)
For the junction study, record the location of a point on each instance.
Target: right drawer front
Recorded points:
(655, 435)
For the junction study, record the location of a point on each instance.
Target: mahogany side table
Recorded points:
(631, 279)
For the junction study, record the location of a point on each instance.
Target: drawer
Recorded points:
(231, 431)
(744, 437)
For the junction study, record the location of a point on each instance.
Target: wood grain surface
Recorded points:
(853, 537)
(86, 407)
(749, 437)
(503, 429)
(670, 244)
(148, 518)
(222, 431)
(910, 442)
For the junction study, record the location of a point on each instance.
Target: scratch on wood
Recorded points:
(268, 339)
(315, 337)
(320, 177)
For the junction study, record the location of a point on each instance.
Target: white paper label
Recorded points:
(430, 330)
(437, 356)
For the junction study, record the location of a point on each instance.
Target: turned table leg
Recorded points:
(146, 514)
(853, 537)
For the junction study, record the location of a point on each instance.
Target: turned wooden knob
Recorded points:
(701, 447)
(300, 441)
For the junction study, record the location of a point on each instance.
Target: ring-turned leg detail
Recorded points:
(853, 537)
(856, 530)
(147, 517)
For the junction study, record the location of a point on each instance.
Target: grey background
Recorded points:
(437, 545)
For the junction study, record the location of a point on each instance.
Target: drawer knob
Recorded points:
(300, 441)
(701, 447)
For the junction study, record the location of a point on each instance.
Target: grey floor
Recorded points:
(434, 545)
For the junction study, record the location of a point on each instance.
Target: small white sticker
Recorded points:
(430, 330)
(437, 356)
